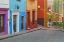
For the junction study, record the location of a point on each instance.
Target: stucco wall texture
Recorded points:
(30, 6)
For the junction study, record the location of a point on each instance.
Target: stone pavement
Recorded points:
(20, 33)
(42, 35)
(23, 32)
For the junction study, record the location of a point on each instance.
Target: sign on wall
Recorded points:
(4, 3)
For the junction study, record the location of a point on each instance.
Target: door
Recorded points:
(22, 24)
(14, 22)
(33, 17)
(28, 18)
(1, 23)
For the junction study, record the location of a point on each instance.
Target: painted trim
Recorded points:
(22, 14)
(17, 28)
(27, 10)
(33, 10)
(4, 9)
(35, 21)
(6, 20)
(27, 27)
(10, 22)
(45, 13)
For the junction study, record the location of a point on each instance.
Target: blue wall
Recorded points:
(22, 8)
(22, 13)
(22, 5)
(10, 22)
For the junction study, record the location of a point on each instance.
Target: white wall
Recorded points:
(4, 3)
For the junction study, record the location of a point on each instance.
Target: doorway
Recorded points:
(33, 17)
(1, 23)
(28, 18)
(14, 22)
(22, 24)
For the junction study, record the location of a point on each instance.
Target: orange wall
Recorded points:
(41, 11)
(30, 6)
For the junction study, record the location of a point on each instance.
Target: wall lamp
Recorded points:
(39, 7)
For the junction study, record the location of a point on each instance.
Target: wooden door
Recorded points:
(1, 23)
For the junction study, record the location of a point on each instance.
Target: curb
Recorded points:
(13, 35)
(61, 29)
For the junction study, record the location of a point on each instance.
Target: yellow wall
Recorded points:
(45, 12)
(60, 12)
(54, 16)
(32, 5)
(60, 15)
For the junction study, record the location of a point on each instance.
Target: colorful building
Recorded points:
(22, 19)
(31, 14)
(4, 6)
(42, 12)
(58, 13)
(17, 16)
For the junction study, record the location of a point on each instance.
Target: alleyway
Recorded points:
(46, 35)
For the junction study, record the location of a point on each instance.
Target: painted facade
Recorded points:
(17, 12)
(22, 19)
(31, 14)
(42, 12)
(4, 6)
(58, 13)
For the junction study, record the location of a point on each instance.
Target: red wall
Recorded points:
(41, 11)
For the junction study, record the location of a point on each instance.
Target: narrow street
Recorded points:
(43, 35)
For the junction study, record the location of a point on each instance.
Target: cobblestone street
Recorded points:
(46, 35)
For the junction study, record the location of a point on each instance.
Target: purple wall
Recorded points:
(5, 12)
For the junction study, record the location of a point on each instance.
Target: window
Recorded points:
(19, 0)
(17, 7)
